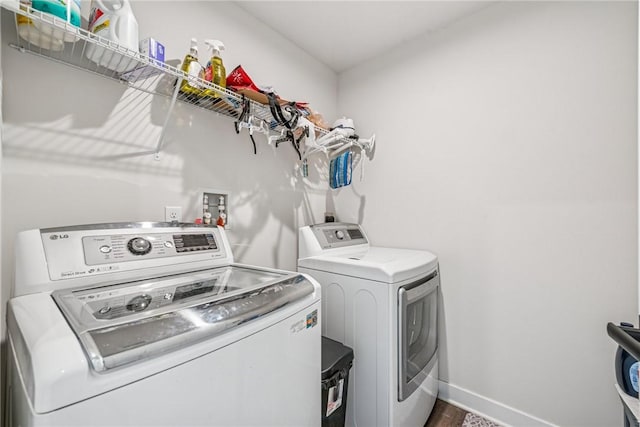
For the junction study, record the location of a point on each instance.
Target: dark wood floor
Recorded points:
(445, 415)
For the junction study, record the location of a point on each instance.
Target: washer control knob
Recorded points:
(139, 246)
(340, 234)
(105, 249)
(104, 310)
(139, 303)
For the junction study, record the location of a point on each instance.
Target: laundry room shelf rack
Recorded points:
(143, 73)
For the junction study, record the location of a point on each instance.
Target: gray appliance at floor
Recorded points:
(626, 367)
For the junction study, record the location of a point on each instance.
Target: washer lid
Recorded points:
(121, 324)
(387, 265)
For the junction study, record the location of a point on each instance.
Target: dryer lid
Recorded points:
(388, 265)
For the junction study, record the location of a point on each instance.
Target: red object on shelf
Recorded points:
(239, 79)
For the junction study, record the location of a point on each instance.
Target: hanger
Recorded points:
(245, 120)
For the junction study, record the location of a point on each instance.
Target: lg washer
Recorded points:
(145, 324)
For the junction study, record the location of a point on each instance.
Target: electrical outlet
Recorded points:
(173, 213)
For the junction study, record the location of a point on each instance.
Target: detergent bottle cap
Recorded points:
(215, 46)
(194, 48)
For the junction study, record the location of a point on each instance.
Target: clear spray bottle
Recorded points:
(192, 68)
(214, 72)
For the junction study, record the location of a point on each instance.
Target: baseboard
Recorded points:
(488, 408)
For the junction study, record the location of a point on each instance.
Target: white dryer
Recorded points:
(383, 303)
(145, 324)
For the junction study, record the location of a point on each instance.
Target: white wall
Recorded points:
(507, 145)
(76, 146)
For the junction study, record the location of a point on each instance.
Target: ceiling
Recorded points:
(343, 34)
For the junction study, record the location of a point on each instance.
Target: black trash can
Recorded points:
(337, 360)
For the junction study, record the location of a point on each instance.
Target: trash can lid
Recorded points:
(335, 356)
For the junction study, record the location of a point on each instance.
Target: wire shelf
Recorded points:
(42, 34)
(50, 37)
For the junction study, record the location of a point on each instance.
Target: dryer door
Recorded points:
(417, 332)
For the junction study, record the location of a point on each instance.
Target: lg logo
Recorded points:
(58, 236)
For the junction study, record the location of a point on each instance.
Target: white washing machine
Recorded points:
(147, 324)
(383, 303)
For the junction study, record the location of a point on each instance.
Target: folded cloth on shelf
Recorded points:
(340, 170)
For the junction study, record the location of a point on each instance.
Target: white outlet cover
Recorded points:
(173, 213)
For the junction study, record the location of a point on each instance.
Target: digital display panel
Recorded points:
(190, 240)
(194, 242)
(355, 233)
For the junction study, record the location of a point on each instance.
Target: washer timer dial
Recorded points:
(139, 246)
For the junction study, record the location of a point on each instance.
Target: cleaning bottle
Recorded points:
(114, 21)
(44, 34)
(67, 10)
(28, 31)
(214, 71)
(192, 68)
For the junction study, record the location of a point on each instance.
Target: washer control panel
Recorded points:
(107, 249)
(335, 235)
(123, 250)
